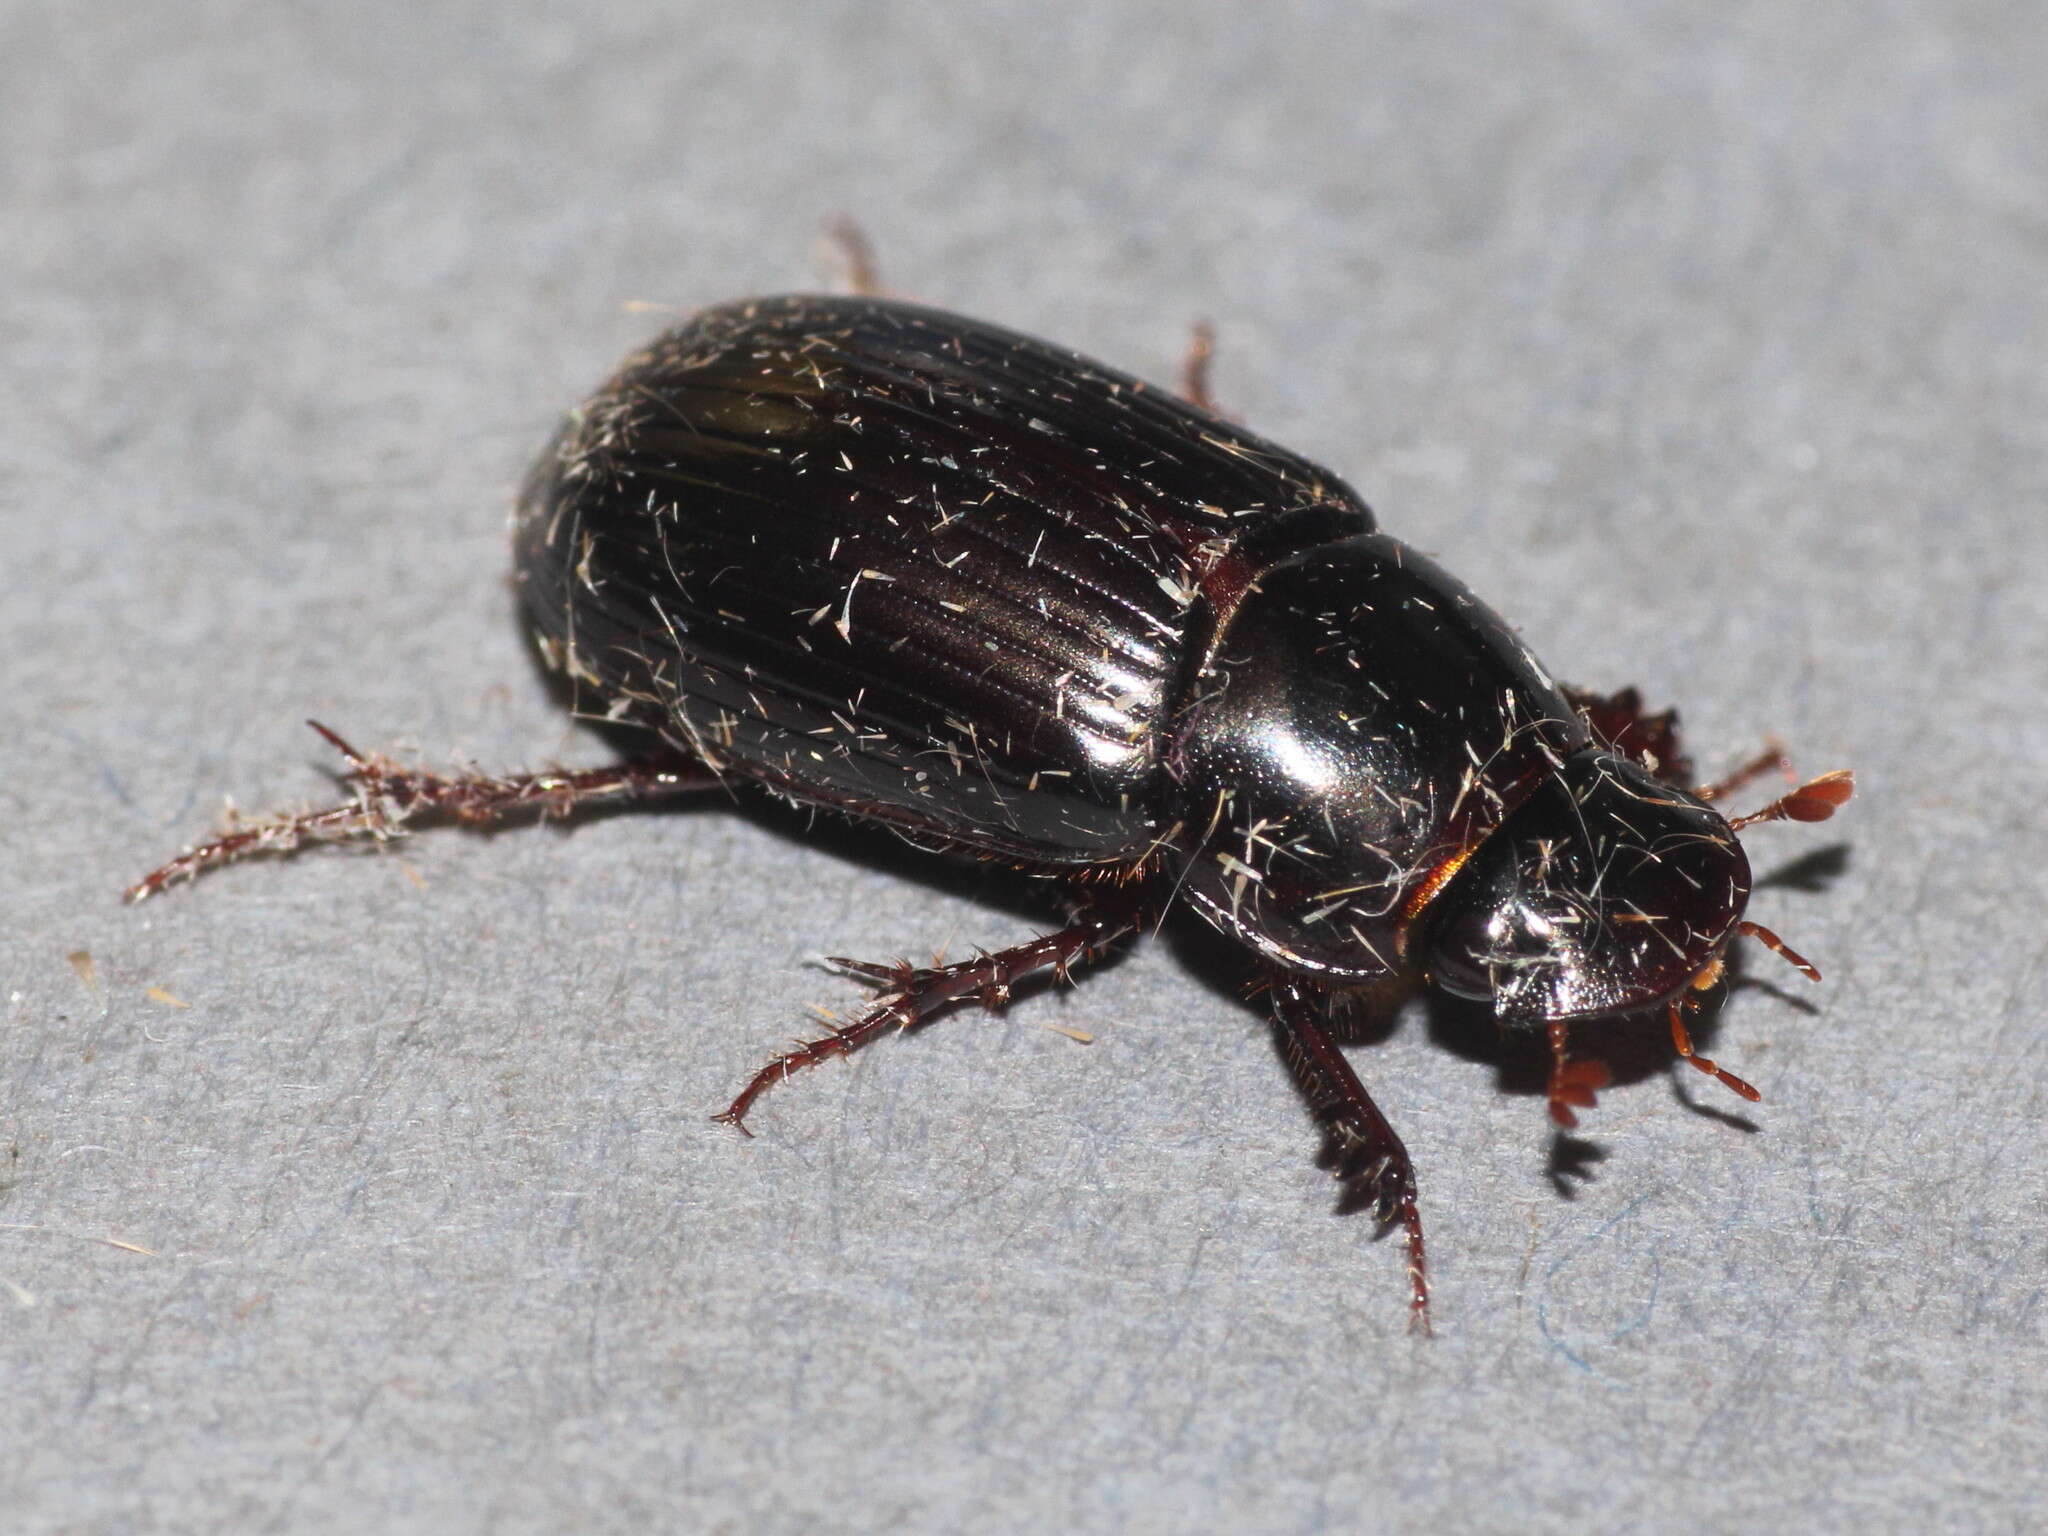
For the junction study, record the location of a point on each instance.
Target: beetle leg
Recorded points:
(1362, 1150)
(1194, 370)
(390, 797)
(912, 995)
(858, 252)
(1572, 1082)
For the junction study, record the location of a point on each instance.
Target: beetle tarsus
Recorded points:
(390, 798)
(1362, 1149)
(911, 996)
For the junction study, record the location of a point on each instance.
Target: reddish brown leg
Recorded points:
(911, 995)
(858, 252)
(1364, 1151)
(389, 798)
(1682, 1038)
(1572, 1082)
(1194, 374)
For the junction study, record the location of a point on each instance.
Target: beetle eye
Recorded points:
(1479, 950)
(1457, 964)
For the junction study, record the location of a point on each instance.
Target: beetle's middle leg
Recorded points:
(911, 995)
(1365, 1153)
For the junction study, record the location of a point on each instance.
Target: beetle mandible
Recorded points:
(1003, 600)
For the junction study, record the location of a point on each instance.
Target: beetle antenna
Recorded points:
(1779, 947)
(1771, 760)
(1682, 1038)
(1815, 800)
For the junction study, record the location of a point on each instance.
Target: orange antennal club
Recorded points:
(1815, 800)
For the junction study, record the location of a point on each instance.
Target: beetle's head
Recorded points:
(1607, 891)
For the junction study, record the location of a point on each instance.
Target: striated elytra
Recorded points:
(1005, 601)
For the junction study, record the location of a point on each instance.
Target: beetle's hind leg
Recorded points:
(912, 995)
(1364, 1152)
(390, 798)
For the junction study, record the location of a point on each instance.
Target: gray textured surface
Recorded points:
(1712, 350)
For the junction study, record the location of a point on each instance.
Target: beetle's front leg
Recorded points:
(1365, 1153)
(912, 995)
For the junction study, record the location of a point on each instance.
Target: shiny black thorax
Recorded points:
(935, 574)
(1362, 722)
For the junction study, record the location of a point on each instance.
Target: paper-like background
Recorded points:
(1706, 342)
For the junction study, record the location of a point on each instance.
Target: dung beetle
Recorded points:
(1005, 601)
